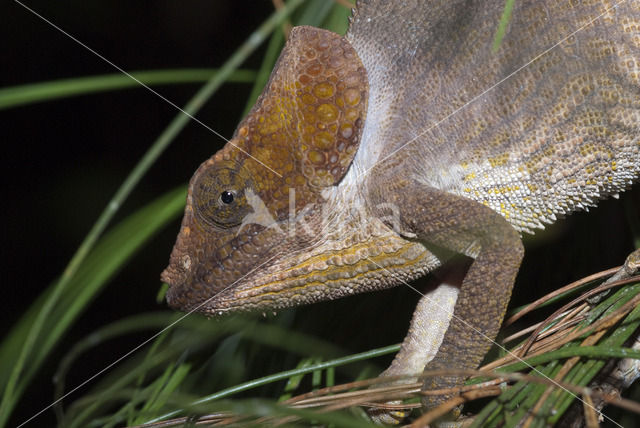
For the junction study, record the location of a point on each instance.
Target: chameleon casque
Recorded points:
(369, 156)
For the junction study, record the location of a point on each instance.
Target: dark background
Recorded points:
(63, 160)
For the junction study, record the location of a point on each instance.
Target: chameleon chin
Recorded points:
(408, 133)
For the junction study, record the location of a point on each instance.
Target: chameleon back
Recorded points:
(544, 125)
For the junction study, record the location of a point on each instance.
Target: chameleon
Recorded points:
(371, 157)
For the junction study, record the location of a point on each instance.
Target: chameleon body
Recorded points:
(370, 157)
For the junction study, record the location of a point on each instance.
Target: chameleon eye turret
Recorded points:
(218, 195)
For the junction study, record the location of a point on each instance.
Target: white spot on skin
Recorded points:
(186, 262)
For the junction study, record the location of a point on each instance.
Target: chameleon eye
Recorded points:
(217, 194)
(226, 197)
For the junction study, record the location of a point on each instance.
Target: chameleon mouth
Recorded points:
(177, 295)
(199, 290)
(185, 292)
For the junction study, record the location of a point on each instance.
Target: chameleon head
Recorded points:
(236, 247)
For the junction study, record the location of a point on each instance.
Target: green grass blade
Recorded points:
(256, 408)
(502, 26)
(285, 375)
(163, 392)
(294, 381)
(15, 96)
(517, 400)
(101, 264)
(315, 13)
(573, 351)
(143, 322)
(262, 77)
(192, 335)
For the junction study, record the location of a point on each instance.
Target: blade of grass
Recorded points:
(502, 26)
(262, 77)
(196, 336)
(191, 335)
(83, 409)
(163, 392)
(573, 351)
(142, 322)
(127, 237)
(338, 19)
(511, 399)
(284, 375)
(314, 13)
(15, 96)
(257, 408)
(529, 400)
(294, 381)
(589, 369)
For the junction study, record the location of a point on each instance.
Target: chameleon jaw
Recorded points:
(327, 270)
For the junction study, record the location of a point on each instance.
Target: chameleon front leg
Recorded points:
(440, 219)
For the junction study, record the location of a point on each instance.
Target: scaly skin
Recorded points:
(306, 126)
(369, 155)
